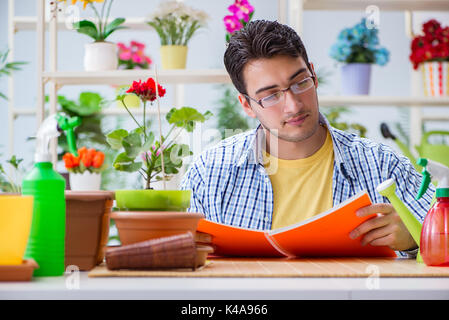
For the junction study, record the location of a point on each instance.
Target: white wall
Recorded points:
(206, 51)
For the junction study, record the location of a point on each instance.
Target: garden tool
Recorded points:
(433, 244)
(46, 243)
(435, 152)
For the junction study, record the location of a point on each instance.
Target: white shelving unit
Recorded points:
(416, 101)
(289, 11)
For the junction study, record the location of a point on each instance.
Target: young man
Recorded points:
(295, 165)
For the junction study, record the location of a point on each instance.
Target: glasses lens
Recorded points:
(271, 100)
(302, 86)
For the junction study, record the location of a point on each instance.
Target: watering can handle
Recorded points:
(427, 134)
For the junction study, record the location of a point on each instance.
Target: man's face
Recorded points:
(295, 118)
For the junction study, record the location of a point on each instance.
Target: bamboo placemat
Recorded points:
(290, 268)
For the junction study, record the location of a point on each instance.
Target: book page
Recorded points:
(327, 234)
(235, 241)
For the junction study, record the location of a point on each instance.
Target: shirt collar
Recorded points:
(253, 155)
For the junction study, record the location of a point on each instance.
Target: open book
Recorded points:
(324, 235)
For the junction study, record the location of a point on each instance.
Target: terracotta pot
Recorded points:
(87, 227)
(137, 226)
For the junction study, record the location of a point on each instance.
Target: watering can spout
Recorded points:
(388, 190)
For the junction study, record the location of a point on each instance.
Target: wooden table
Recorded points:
(254, 279)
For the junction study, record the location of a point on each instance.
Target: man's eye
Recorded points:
(273, 97)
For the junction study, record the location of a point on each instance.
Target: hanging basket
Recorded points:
(173, 57)
(435, 78)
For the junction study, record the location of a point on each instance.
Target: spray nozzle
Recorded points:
(68, 125)
(437, 171)
(426, 177)
(51, 128)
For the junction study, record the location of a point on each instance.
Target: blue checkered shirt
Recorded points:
(230, 184)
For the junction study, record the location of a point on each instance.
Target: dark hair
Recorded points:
(260, 39)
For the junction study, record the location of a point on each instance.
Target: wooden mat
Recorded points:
(288, 268)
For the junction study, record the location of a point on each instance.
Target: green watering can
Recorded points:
(434, 152)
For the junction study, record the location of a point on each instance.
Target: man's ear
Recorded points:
(314, 74)
(246, 106)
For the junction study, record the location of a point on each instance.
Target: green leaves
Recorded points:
(186, 117)
(88, 28)
(113, 26)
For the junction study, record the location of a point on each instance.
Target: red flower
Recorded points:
(146, 90)
(431, 26)
(433, 45)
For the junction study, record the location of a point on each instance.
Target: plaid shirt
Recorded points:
(230, 184)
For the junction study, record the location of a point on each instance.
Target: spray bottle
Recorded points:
(434, 242)
(46, 243)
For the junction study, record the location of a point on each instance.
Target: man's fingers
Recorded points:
(384, 208)
(384, 241)
(374, 235)
(369, 225)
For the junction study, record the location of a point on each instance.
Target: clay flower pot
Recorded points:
(137, 226)
(87, 227)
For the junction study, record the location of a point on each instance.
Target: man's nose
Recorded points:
(292, 103)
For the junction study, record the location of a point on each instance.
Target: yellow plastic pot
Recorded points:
(173, 57)
(16, 213)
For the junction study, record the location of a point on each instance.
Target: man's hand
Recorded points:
(387, 229)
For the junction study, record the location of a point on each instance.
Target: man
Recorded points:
(295, 165)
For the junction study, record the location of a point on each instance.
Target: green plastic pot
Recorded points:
(153, 200)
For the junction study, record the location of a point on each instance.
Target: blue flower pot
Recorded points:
(355, 78)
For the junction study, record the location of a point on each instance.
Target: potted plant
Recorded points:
(242, 12)
(150, 213)
(176, 23)
(129, 58)
(100, 55)
(430, 51)
(358, 48)
(84, 169)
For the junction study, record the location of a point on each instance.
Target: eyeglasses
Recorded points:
(296, 88)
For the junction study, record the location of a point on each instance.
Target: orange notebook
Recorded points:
(324, 235)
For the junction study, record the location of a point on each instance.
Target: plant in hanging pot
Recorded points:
(358, 48)
(430, 51)
(176, 23)
(150, 213)
(85, 169)
(100, 55)
(129, 58)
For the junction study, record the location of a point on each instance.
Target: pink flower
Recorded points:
(139, 45)
(136, 58)
(241, 9)
(125, 55)
(232, 23)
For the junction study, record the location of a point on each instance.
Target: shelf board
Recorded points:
(29, 23)
(124, 77)
(329, 101)
(112, 111)
(384, 5)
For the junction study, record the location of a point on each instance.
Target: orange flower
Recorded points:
(87, 157)
(70, 161)
(98, 159)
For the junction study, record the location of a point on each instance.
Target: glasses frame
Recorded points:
(283, 91)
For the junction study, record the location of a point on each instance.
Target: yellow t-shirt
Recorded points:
(301, 188)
